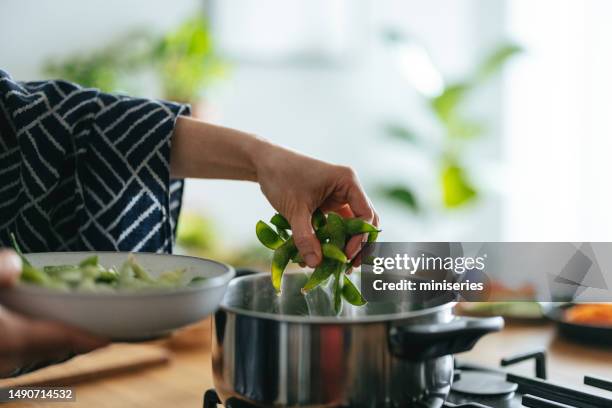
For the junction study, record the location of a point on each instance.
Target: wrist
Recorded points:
(263, 155)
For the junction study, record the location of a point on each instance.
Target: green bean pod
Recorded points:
(373, 236)
(279, 221)
(280, 259)
(333, 252)
(320, 274)
(356, 226)
(267, 236)
(351, 294)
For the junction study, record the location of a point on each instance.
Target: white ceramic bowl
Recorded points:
(124, 315)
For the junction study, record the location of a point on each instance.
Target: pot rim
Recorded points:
(382, 318)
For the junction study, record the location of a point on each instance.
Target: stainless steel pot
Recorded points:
(285, 351)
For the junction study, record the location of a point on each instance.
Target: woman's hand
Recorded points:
(25, 341)
(296, 185)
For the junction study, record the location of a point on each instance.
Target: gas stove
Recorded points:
(476, 386)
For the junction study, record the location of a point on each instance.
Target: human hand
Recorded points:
(26, 341)
(296, 185)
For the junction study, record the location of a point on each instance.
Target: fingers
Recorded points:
(354, 246)
(358, 201)
(26, 341)
(362, 208)
(340, 208)
(305, 239)
(48, 337)
(40, 340)
(10, 267)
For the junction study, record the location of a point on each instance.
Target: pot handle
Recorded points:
(426, 341)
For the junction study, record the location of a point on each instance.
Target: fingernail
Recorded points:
(311, 259)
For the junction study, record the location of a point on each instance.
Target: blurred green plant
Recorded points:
(186, 61)
(448, 108)
(197, 235)
(195, 232)
(104, 68)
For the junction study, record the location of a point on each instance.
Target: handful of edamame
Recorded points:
(333, 232)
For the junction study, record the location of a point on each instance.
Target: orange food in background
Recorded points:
(591, 314)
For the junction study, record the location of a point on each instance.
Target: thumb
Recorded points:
(10, 267)
(305, 239)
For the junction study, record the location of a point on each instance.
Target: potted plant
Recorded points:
(186, 63)
(458, 131)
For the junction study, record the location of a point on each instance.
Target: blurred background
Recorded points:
(470, 120)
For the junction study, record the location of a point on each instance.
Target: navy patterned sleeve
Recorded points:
(85, 170)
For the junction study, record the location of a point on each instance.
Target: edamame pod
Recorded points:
(356, 226)
(267, 236)
(333, 252)
(90, 261)
(59, 269)
(298, 258)
(320, 274)
(337, 291)
(332, 232)
(18, 250)
(280, 259)
(282, 233)
(351, 293)
(172, 277)
(322, 233)
(318, 219)
(367, 260)
(336, 231)
(280, 222)
(33, 275)
(107, 276)
(196, 280)
(139, 272)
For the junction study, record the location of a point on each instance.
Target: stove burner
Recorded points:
(483, 383)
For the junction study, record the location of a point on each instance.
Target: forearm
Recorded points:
(202, 150)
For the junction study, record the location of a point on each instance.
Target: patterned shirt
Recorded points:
(85, 170)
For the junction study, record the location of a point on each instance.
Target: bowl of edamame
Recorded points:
(119, 295)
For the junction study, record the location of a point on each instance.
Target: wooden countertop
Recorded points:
(182, 381)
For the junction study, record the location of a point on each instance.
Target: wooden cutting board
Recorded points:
(110, 360)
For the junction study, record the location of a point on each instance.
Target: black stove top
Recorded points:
(477, 386)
